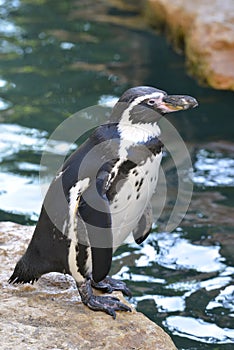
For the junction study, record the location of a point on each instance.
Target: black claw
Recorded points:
(124, 307)
(111, 312)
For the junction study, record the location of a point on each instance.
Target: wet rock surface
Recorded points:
(49, 314)
(204, 30)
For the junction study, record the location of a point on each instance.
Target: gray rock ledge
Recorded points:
(49, 314)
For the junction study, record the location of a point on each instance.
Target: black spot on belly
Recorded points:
(136, 184)
(139, 184)
(137, 197)
(128, 197)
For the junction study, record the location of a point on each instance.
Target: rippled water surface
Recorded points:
(60, 57)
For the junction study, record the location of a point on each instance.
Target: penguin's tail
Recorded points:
(23, 273)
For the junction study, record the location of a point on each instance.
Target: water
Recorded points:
(59, 58)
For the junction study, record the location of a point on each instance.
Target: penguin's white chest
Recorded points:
(133, 195)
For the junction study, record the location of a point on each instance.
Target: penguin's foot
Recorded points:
(110, 284)
(107, 304)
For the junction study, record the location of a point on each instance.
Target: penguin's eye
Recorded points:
(151, 101)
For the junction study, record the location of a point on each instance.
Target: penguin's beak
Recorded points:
(173, 103)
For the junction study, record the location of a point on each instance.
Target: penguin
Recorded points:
(100, 196)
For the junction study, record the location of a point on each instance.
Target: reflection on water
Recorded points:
(15, 138)
(50, 70)
(172, 243)
(20, 153)
(200, 330)
(197, 285)
(213, 169)
(20, 149)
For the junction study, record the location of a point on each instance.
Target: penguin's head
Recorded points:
(140, 103)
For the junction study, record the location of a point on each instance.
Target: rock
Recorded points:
(50, 315)
(205, 31)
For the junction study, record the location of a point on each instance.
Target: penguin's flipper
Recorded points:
(142, 230)
(95, 212)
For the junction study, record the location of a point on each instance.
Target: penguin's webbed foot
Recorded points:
(107, 304)
(109, 285)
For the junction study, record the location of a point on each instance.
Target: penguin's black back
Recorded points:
(49, 247)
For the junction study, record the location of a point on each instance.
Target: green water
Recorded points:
(57, 58)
